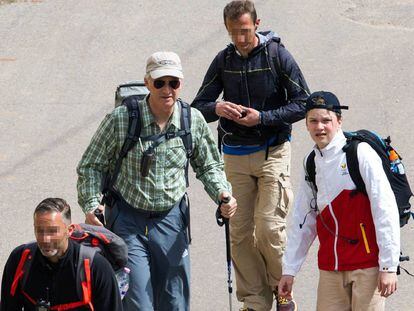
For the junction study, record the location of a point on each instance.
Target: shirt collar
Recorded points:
(149, 119)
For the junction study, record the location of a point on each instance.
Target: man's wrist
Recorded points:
(215, 105)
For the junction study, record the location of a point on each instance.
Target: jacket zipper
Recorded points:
(245, 80)
(336, 237)
(364, 237)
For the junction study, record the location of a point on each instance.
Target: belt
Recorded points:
(144, 213)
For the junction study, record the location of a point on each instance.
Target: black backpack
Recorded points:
(393, 169)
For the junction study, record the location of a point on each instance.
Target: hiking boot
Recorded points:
(286, 305)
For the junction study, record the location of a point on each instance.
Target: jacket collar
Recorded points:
(265, 37)
(334, 146)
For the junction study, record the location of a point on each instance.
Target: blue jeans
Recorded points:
(158, 257)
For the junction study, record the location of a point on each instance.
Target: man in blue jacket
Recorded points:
(263, 93)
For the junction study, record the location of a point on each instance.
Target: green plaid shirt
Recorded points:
(165, 184)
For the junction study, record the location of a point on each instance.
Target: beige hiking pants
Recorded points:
(264, 195)
(349, 290)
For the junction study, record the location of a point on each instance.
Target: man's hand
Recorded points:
(285, 286)
(229, 110)
(227, 209)
(252, 117)
(387, 283)
(91, 219)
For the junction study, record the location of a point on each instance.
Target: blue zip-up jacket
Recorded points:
(251, 82)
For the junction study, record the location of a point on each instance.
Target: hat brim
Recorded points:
(155, 74)
(334, 108)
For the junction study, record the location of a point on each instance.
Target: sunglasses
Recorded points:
(174, 84)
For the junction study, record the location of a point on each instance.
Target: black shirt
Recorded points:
(57, 282)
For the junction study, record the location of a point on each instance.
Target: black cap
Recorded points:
(324, 100)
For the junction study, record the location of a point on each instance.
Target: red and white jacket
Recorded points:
(354, 231)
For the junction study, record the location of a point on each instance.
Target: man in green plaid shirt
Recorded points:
(151, 214)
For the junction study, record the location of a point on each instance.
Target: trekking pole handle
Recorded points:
(99, 214)
(219, 218)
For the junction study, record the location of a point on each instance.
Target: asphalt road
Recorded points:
(60, 61)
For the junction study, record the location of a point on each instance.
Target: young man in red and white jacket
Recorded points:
(359, 233)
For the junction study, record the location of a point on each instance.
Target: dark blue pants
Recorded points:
(158, 257)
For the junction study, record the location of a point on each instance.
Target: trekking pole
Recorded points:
(225, 221)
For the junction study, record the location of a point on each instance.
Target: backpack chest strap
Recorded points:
(160, 138)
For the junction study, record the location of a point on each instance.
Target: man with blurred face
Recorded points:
(150, 210)
(242, 32)
(44, 274)
(52, 232)
(263, 91)
(358, 232)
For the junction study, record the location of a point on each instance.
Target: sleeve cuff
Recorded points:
(289, 271)
(91, 205)
(388, 269)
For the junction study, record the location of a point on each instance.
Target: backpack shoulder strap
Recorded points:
(310, 170)
(23, 267)
(187, 138)
(83, 272)
(351, 151)
(272, 50)
(221, 63)
(186, 126)
(134, 124)
(222, 57)
(131, 138)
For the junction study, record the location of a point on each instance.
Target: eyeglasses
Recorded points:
(174, 84)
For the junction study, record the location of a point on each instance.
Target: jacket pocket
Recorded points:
(364, 238)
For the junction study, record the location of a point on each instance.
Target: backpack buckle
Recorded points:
(169, 135)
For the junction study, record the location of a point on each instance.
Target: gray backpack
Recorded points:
(130, 88)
